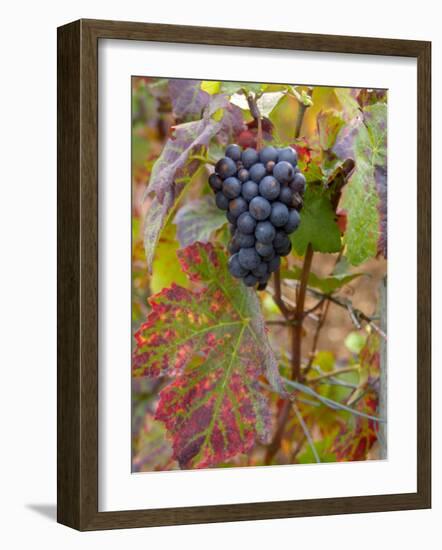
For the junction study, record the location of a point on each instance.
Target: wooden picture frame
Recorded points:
(77, 459)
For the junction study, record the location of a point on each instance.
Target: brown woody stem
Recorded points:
(299, 314)
(296, 337)
(278, 295)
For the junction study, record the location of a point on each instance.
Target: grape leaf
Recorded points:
(230, 88)
(329, 124)
(211, 86)
(364, 139)
(355, 341)
(188, 99)
(213, 408)
(197, 220)
(173, 163)
(322, 448)
(370, 96)
(325, 284)
(268, 101)
(156, 217)
(166, 267)
(357, 437)
(347, 98)
(282, 117)
(380, 176)
(318, 224)
(370, 358)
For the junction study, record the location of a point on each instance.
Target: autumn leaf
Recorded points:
(211, 342)
(188, 99)
(364, 139)
(355, 442)
(197, 220)
(357, 438)
(174, 165)
(329, 124)
(166, 267)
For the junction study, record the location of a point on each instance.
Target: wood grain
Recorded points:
(77, 225)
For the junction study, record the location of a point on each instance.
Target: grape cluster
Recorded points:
(261, 193)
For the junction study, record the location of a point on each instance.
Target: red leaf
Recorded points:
(356, 443)
(212, 343)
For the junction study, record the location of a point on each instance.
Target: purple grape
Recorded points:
(293, 222)
(233, 151)
(279, 215)
(269, 188)
(238, 206)
(249, 190)
(249, 258)
(265, 232)
(225, 168)
(260, 208)
(288, 154)
(283, 172)
(246, 223)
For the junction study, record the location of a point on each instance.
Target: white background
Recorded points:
(28, 276)
(118, 488)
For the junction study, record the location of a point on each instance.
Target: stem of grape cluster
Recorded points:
(256, 114)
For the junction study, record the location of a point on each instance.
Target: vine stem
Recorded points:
(322, 316)
(299, 314)
(259, 140)
(296, 336)
(278, 295)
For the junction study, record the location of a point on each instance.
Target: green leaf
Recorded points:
(211, 86)
(318, 224)
(365, 140)
(355, 341)
(166, 267)
(197, 220)
(212, 343)
(325, 360)
(325, 284)
(348, 101)
(230, 88)
(268, 101)
(282, 117)
(329, 124)
(218, 115)
(322, 448)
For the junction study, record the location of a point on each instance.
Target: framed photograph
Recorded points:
(243, 275)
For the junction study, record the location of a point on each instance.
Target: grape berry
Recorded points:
(261, 193)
